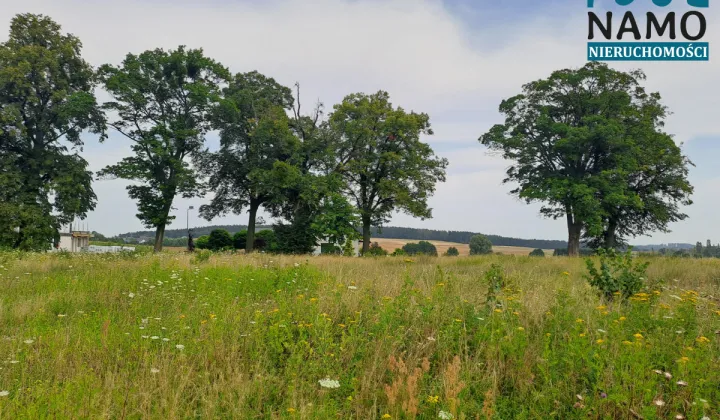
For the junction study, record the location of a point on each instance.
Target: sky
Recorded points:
(454, 59)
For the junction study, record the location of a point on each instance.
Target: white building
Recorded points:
(326, 242)
(74, 241)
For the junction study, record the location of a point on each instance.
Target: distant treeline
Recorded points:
(461, 237)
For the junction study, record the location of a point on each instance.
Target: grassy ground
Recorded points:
(110, 336)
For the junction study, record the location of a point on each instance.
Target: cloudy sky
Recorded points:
(454, 59)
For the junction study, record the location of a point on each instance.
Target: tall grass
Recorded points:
(170, 336)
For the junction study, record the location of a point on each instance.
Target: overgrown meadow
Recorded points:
(233, 336)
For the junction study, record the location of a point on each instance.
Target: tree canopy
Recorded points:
(577, 141)
(163, 100)
(46, 102)
(480, 244)
(256, 145)
(383, 161)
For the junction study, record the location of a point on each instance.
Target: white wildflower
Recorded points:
(445, 415)
(179, 346)
(166, 339)
(145, 336)
(659, 402)
(154, 370)
(154, 337)
(352, 287)
(602, 331)
(329, 383)
(4, 393)
(431, 338)
(29, 341)
(681, 383)
(14, 362)
(131, 295)
(668, 375)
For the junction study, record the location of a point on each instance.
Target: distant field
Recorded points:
(391, 244)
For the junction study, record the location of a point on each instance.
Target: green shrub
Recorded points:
(537, 253)
(202, 242)
(376, 250)
(240, 239)
(348, 248)
(398, 252)
(422, 247)
(219, 240)
(202, 256)
(266, 240)
(480, 245)
(617, 275)
(330, 249)
(452, 252)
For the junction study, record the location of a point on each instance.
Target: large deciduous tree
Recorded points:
(578, 143)
(46, 102)
(384, 164)
(163, 101)
(253, 165)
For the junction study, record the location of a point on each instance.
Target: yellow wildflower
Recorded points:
(684, 359)
(638, 336)
(458, 320)
(565, 273)
(702, 339)
(600, 341)
(498, 310)
(627, 342)
(601, 308)
(521, 329)
(622, 318)
(579, 321)
(290, 410)
(386, 415)
(433, 399)
(582, 334)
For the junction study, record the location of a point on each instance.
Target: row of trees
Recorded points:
(588, 143)
(319, 175)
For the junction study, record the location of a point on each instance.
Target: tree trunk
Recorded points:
(366, 234)
(574, 233)
(609, 238)
(250, 240)
(159, 236)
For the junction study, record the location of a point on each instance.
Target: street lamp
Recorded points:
(187, 217)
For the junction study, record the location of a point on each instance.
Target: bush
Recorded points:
(398, 252)
(452, 252)
(480, 245)
(240, 239)
(202, 242)
(348, 248)
(537, 253)
(265, 240)
(618, 275)
(422, 247)
(219, 240)
(330, 249)
(202, 256)
(376, 250)
(294, 239)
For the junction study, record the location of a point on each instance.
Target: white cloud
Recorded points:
(428, 59)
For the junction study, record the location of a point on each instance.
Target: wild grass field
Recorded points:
(267, 337)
